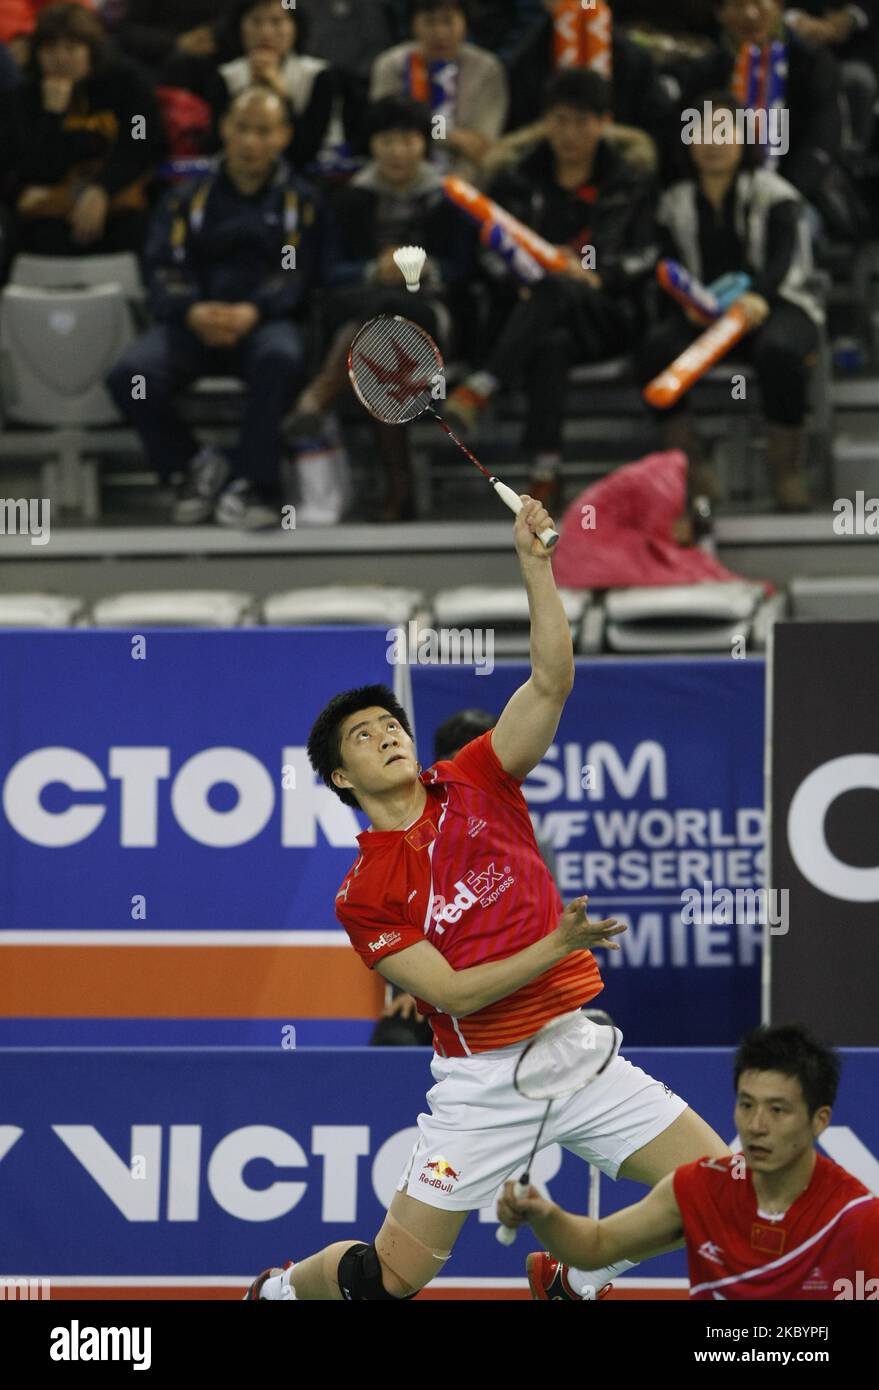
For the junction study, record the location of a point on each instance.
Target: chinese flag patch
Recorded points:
(421, 834)
(769, 1239)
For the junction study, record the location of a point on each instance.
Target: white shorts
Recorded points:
(480, 1131)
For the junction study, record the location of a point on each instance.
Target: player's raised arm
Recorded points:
(636, 1233)
(424, 972)
(529, 721)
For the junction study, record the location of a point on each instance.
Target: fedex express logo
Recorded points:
(387, 938)
(484, 888)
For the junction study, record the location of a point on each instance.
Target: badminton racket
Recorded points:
(566, 1055)
(394, 366)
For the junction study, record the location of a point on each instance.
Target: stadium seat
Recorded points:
(39, 610)
(175, 608)
(681, 617)
(505, 610)
(342, 604)
(63, 323)
(847, 598)
(57, 346)
(79, 272)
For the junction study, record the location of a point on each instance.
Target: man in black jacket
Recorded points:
(578, 193)
(231, 261)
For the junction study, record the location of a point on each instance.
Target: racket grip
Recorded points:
(507, 1234)
(548, 537)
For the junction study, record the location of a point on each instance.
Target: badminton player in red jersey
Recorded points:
(450, 900)
(778, 1221)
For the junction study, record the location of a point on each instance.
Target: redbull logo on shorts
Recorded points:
(483, 888)
(443, 1174)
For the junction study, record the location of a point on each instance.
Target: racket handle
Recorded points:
(515, 504)
(507, 1234)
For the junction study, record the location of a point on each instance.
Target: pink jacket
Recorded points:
(628, 540)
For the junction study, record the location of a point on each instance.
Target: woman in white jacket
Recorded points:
(733, 214)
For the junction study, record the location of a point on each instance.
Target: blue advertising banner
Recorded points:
(159, 783)
(173, 766)
(222, 1162)
(651, 799)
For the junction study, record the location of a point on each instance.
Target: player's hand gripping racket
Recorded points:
(559, 1061)
(394, 366)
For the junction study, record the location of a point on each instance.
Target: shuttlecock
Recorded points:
(410, 261)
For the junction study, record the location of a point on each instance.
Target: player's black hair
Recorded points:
(459, 729)
(398, 113)
(325, 740)
(722, 99)
(580, 88)
(791, 1050)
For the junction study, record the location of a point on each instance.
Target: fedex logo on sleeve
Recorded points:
(387, 938)
(484, 888)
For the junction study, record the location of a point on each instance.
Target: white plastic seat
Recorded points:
(847, 598)
(342, 604)
(77, 272)
(39, 610)
(57, 347)
(175, 608)
(681, 617)
(503, 609)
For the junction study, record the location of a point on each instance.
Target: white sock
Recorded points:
(586, 1283)
(278, 1287)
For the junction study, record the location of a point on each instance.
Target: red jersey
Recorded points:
(467, 877)
(824, 1247)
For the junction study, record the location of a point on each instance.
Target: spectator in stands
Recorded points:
(269, 39)
(464, 86)
(396, 200)
(231, 260)
(152, 31)
(732, 215)
(561, 38)
(503, 25)
(577, 192)
(83, 138)
(851, 32)
(810, 80)
(350, 35)
(18, 19)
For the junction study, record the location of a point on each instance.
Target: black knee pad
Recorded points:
(360, 1277)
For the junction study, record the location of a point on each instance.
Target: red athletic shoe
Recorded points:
(254, 1293)
(548, 1279)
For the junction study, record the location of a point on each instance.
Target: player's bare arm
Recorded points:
(530, 719)
(424, 972)
(638, 1232)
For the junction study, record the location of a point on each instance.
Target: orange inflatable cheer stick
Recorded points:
(666, 389)
(490, 214)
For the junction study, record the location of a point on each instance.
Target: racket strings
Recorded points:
(394, 366)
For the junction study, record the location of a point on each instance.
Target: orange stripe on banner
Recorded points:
(186, 982)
